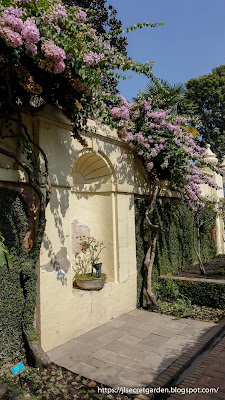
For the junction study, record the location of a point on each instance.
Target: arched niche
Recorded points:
(91, 168)
(93, 205)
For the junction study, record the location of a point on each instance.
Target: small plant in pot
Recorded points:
(88, 274)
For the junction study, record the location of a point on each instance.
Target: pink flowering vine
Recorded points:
(30, 31)
(166, 149)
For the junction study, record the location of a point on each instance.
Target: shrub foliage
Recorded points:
(175, 249)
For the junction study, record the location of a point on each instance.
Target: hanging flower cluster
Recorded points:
(55, 57)
(49, 27)
(166, 149)
(38, 38)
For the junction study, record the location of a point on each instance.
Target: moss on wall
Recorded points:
(175, 249)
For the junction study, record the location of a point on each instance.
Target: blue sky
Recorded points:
(189, 45)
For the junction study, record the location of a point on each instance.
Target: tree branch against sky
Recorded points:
(104, 19)
(180, 52)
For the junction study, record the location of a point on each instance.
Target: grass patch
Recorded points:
(89, 276)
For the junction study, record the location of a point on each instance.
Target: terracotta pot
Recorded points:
(91, 284)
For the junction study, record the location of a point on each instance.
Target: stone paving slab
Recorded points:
(131, 350)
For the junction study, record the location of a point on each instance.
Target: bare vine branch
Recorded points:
(32, 179)
(47, 184)
(150, 254)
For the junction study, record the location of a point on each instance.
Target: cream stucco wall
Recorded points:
(102, 199)
(217, 194)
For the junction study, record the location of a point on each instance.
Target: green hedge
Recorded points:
(13, 227)
(175, 249)
(200, 293)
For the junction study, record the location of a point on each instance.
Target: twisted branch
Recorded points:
(23, 134)
(150, 255)
(31, 177)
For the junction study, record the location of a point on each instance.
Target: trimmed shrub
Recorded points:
(200, 293)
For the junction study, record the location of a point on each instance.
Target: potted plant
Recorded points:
(88, 274)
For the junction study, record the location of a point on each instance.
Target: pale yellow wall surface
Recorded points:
(217, 194)
(68, 313)
(96, 188)
(95, 211)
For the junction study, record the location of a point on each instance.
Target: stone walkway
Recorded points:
(130, 350)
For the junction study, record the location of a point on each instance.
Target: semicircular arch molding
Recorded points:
(91, 167)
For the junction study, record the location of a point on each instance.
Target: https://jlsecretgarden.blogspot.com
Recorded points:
(157, 390)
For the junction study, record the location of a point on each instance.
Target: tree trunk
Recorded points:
(35, 354)
(198, 249)
(153, 231)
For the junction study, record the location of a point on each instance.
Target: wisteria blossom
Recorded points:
(34, 28)
(32, 48)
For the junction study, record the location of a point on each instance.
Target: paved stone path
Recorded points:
(208, 375)
(130, 350)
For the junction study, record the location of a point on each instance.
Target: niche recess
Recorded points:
(93, 204)
(91, 168)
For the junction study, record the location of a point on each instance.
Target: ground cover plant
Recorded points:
(196, 300)
(182, 309)
(56, 383)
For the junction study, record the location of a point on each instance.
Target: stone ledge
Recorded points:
(186, 279)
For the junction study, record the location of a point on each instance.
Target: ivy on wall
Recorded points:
(13, 227)
(175, 249)
(13, 220)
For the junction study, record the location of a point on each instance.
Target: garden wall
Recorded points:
(92, 190)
